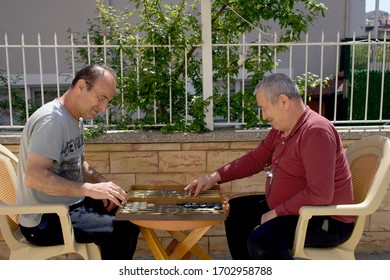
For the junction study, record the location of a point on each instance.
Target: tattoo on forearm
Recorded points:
(93, 171)
(96, 176)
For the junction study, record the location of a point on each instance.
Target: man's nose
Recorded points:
(102, 107)
(264, 115)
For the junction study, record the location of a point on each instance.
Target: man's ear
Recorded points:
(81, 85)
(284, 100)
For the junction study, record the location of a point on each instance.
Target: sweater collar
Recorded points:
(302, 119)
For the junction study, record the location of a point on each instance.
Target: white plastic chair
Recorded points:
(20, 248)
(369, 160)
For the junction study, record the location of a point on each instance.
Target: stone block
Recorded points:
(182, 161)
(216, 159)
(243, 145)
(108, 147)
(4, 251)
(218, 246)
(385, 205)
(374, 241)
(217, 230)
(380, 221)
(157, 147)
(134, 162)
(160, 179)
(205, 146)
(13, 148)
(98, 161)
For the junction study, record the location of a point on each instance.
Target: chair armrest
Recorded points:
(307, 212)
(62, 210)
(14, 209)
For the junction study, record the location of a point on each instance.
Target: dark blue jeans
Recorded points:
(274, 239)
(91, 223)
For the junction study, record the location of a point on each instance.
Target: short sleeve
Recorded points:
(46, 138)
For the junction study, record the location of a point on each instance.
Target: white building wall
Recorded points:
(49, 17)
(356, 21)
(45, 17)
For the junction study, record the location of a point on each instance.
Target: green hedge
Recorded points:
(374, 95)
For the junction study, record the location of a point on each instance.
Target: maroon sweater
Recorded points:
(309, 167)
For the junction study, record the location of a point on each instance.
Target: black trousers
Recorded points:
(91, 223)
(274, 239)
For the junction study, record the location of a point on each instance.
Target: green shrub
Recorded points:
(359, 97)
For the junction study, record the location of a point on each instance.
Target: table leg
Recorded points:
(153, 243)
(172, 245)
(187, 243)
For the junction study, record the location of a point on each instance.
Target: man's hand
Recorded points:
(203, 183)
(109, 205)
(110, 193)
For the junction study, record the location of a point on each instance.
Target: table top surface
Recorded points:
(172, 203)
(175, 225)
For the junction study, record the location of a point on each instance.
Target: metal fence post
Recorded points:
(207, 65)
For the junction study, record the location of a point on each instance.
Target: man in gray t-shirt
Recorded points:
(52, 169)
(64, 146)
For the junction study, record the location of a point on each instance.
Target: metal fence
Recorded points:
(356, 94)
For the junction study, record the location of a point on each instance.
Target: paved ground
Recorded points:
(373, 256)
(4, 255)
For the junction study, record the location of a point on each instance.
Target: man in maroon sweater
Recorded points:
(305, 164)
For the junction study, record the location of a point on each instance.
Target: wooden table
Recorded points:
(183, 245)
(165, 212)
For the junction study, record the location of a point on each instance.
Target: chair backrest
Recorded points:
(369, 160)
(363, 169)
(8, 165)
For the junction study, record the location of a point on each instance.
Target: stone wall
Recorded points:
(177, 159)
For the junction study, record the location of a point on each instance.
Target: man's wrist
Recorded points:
(216, 177)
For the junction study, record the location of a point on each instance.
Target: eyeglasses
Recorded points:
(101, 98)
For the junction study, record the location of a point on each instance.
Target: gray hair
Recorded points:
(277, 84)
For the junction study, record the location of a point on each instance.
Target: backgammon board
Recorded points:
(166, 202)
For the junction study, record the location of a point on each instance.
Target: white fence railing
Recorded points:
(33, 74)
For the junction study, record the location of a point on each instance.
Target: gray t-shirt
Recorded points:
(51, 132)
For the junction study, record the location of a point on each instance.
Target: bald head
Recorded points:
(91, 73)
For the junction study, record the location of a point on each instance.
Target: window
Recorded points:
(50, 93)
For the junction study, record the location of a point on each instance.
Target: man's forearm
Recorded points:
(48, 182)
(91, 175)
